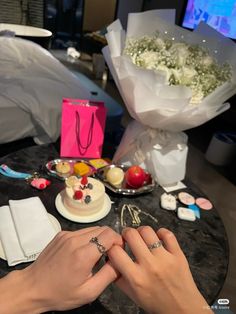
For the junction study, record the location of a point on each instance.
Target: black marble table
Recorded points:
(204, 241)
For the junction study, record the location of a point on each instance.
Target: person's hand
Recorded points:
(61, 278)
(158, 279)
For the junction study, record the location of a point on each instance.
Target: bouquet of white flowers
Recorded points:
(171, 79)
(181, 64)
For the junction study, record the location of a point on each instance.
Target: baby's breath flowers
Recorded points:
(182, 64)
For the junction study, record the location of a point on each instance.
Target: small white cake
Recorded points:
(84, 196)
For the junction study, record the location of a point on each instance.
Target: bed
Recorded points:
(32, 85)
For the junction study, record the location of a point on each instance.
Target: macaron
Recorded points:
(186, 198)
(204, 203)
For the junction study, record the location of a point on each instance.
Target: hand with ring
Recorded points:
(158, 279)
(61, 278)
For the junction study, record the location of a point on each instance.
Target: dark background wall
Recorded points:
(124, 7)
(31, 12)
(167, 4)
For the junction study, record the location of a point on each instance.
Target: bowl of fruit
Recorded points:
(126, 180)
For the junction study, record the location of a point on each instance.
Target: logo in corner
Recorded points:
(223, 301)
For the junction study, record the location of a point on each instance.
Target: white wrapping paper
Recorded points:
(156, 150)
(158, 106)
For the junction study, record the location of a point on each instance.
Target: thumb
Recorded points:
(96, 284)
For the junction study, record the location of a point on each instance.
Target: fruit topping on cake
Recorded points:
(87, 199)
(80, 187)
(78, 195)
(84, 180)
(83, 196)
(71, 181)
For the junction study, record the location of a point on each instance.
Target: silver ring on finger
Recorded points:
(155, 245)
(101, 248)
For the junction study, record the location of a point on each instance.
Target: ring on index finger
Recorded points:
(101, 248)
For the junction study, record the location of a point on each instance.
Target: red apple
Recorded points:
(135, 177)
(148, 178)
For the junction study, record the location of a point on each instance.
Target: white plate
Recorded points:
(55, 224)
(85, 219)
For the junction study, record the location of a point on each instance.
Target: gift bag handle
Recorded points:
(83, 148)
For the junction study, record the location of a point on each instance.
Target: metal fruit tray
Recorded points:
(51, 167)
(122, 188)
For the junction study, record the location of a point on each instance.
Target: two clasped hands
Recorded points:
(157, 279)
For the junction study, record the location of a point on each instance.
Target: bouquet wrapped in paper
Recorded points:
(171, 80)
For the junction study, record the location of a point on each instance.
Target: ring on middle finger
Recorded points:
(155, 245)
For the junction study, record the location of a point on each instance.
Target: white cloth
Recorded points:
(25, 230)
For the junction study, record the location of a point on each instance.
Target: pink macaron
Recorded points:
(204, 203)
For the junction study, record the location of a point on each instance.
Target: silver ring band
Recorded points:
(155, 245)
(101, 248)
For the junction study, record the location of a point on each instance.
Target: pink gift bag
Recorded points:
(82, 128)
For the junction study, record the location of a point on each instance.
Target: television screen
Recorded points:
(219, 14)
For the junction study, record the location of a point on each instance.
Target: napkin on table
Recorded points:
(25, 230)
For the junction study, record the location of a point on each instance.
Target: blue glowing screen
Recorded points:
(219, 14)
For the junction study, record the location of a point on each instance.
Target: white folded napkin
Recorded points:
(25, 230)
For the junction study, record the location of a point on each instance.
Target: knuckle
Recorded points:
(110, 233)
(70, 242)
(129, 233)
(170, 235)
(60, 235)
(146, 229)
(113, 251)
(166, 233)
(158, 272)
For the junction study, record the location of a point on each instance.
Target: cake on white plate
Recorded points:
(83, 196)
